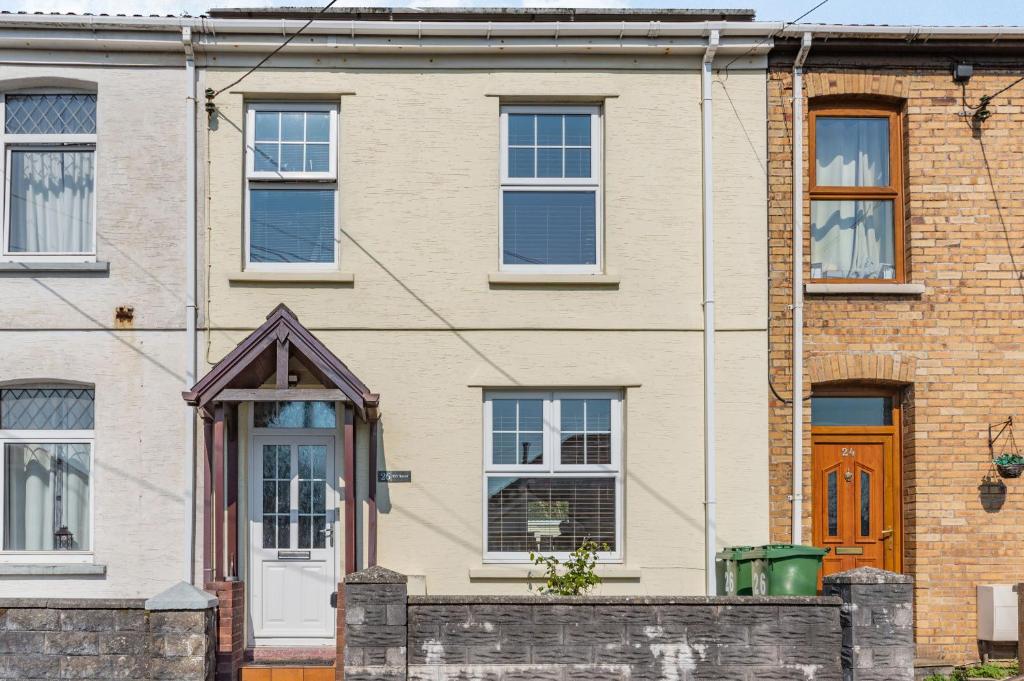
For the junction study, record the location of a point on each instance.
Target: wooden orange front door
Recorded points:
(853, 505)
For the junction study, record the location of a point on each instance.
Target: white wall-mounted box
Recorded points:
(997, 612)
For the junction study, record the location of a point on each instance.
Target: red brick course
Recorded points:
(230, 628)
(957, 349)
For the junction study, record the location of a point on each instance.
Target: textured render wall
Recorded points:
(419, 214)
(956, 348)
(103, 639)
(61, 327)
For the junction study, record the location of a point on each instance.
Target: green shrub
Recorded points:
(574, 577)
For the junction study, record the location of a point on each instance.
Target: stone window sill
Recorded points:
(33, 268)
(284, 278)
(508, 279)
(52, 569)
(862, 289)
(523, 573)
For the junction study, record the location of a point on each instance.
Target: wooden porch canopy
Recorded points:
(238, 377)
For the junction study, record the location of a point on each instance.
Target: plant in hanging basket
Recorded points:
(1009, 465)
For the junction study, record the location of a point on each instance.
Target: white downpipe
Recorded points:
(191, 339)
(798, 289)
(710, 463)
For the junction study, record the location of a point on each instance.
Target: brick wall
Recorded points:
(230, 652)
(955, 350)
(103, 639)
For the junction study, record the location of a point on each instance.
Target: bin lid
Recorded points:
(732, 552)
(792, 551)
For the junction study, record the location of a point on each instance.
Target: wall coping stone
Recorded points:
(868, 575)
(376, 575)
(181, 596)
(74, 603)
(627, 600)
(52, 569)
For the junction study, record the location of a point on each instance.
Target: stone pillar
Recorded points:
(878, 623)
(375, 625)
(230, 628)
(181, 634)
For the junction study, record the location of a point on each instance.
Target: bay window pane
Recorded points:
(851, 152)
(550, 227)
(266, 157)
(51, 201)
(291, 158)
(46, 489)
(852, 240)
(318, 158)
(549, 514)
(293, 126)
(291, 225)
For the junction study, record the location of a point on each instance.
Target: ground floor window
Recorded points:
(46, 434)
(553, 471)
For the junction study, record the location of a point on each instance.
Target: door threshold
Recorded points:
(297, 656)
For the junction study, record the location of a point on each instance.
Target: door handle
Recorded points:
(328, 533)
(887, 534)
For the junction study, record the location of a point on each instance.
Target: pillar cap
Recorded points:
(868, 575)
(182, 596)
(376, 575)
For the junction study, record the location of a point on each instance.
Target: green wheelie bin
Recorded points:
(784, 569)
(732, 573)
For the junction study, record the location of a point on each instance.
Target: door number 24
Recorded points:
(848, 451)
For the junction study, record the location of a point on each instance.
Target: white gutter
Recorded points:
(710, 462)
(191, 340)
(798, 289)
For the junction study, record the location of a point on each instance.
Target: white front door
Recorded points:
(292, 522)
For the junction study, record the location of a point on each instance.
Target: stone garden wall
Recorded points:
(859, 633)
(104, 639)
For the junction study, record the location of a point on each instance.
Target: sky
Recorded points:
(903, 12)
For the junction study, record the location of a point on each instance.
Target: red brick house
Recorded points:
(909, 232)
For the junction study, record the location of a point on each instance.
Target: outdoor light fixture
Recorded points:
(962, 72)
(64, 540)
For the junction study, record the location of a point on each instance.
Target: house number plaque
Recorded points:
(394, 476)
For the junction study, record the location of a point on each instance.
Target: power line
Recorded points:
(293, 36)
(775, 34)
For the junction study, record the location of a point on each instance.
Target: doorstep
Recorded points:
(285, 673)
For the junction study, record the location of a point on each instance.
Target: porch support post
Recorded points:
(218, 483)
(371, 554)
(207, 499)
(350, 489)
(231, 495)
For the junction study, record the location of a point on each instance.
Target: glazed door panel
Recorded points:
(849, 494)
(292, 521)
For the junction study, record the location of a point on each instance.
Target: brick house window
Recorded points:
(856, 192)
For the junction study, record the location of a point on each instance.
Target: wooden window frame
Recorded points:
(893, 192)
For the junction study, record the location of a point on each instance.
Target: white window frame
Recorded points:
(265, 179)
(555, 184)
(22, 142)
(61, 437)
(552, 468)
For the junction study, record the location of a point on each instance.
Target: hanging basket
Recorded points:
(1010, 470)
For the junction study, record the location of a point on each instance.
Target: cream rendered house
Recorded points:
(485, 231)
(440, 299)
